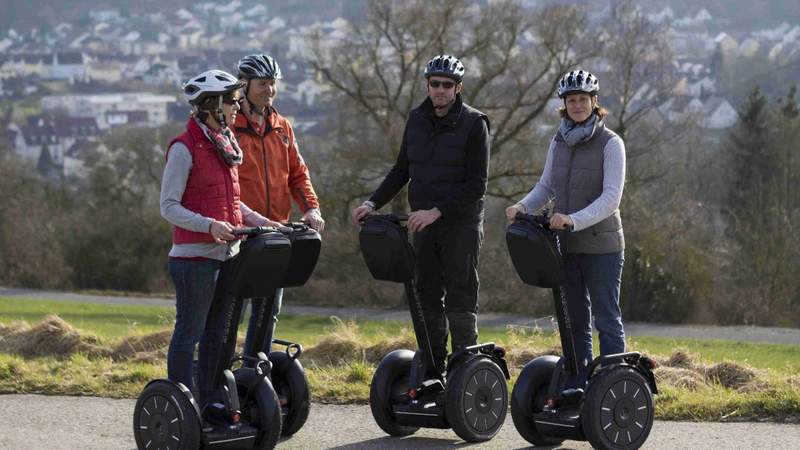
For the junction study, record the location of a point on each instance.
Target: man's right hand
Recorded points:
(511, 211)
(360, 212)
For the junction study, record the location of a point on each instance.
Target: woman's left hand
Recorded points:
(561, 222)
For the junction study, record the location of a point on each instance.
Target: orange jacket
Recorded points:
(273, 172)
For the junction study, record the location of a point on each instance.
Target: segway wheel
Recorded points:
(618, 411)
(262, 410)
(390, 384)
(528, 398)
(165, 418)
(477, 400)
(290, 383)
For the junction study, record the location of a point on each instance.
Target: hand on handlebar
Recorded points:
(561, 222)
(221, 232)
(314, 219)
(360, 212)
(418, 220)
(511, 211)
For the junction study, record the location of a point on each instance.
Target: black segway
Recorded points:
(287, 375)
(616, 409)
(406, 393)
(167, 416)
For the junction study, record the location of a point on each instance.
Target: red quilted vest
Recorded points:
(212, 189)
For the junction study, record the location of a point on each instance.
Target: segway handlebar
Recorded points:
(394, 217)
(252, 231)
(541, 219)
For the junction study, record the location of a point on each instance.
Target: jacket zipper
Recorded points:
(266, 171)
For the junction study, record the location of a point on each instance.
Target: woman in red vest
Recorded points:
(200, 198)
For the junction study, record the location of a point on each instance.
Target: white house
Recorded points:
(719, 114)
(98, 105)
(68, 66)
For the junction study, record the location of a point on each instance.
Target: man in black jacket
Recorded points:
(445, 157)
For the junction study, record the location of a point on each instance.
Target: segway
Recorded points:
(615, 411)
(406, 392)
(287, 375)
(167, 416)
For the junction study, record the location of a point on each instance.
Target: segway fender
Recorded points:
(488, 350)
(640, 363)
(390, 363)
(182, 387)
(538, 368)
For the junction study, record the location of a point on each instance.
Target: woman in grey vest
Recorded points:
(584, 173)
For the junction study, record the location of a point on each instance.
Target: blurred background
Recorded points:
(703, 94)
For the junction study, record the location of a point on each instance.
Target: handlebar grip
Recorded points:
(251, 231)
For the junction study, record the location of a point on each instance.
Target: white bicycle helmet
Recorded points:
(578, 81)
(209, 84)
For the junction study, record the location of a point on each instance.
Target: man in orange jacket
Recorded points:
(272, 174)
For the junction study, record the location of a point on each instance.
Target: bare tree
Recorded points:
(513, 55)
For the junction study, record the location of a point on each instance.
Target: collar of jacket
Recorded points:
(452, 116)
(244, 123)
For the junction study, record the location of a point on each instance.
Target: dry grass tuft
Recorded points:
(50, 337)
(680, 359)
(730, 375)
(679, 377)
(131, 347)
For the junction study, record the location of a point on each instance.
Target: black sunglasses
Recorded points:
(445, 84)
(231, 100)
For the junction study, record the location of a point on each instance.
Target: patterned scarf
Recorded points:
(575, 133)
(225, 142)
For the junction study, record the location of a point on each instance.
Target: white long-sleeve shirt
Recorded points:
(604, 205)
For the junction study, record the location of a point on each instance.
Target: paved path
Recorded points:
(737, 333)
(34, 422)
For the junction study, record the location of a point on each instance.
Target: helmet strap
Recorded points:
(221, 114)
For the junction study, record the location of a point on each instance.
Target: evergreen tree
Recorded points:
(760, 200)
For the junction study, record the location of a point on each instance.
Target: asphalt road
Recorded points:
(34, 422)
(736, 333)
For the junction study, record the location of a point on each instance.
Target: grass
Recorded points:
(340, 360)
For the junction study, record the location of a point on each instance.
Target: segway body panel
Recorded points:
(261, 265)
(534, 253)
(306, 245)
(386, 250)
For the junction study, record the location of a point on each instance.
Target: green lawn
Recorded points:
(341, 365)
(112, 322)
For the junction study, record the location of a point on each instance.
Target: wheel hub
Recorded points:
(483, 400)
(624, 412)
(159, 422)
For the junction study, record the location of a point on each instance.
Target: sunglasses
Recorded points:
(445, 84)
(231, 100)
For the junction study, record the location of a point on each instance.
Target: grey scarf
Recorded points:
(575, 133)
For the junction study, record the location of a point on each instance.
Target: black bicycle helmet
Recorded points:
(446, 66)
(578, 81)
(259, 66)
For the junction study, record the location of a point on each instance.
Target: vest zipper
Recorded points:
(569, 177)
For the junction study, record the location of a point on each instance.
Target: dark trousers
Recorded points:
(592, 291)
(200, 286)
(447, 284)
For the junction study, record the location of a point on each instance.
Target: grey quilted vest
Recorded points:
(577, 178)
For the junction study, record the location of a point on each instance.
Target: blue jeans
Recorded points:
(592, 290)
(271, 317)
(198, 284)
